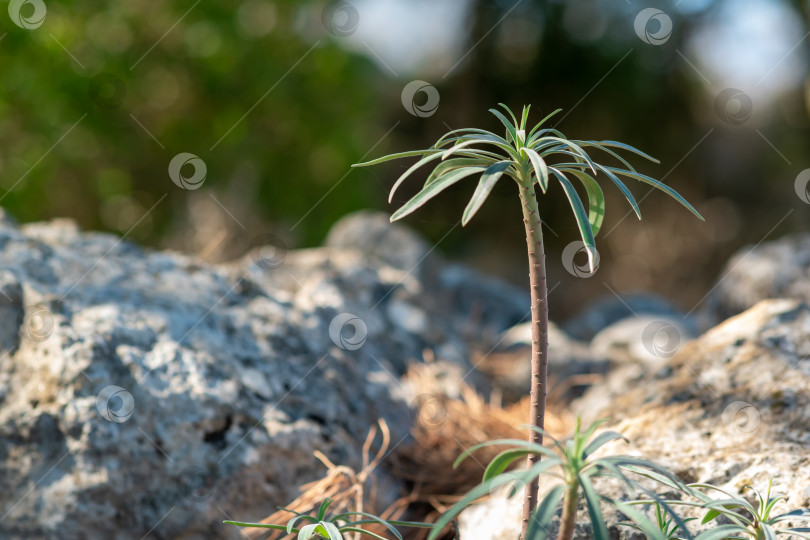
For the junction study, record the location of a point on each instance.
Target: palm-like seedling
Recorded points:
(747, 521)
(536, 157)
(333, 526)
(572, 464)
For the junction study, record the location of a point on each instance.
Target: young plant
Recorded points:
(536, 157)
(747, 520)
(572, 462)
(333, 527)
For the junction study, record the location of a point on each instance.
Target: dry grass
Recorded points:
(442, 429)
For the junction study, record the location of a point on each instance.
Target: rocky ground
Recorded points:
(730, 407)
(148, 394)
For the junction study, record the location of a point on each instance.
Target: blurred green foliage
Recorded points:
(188, 72)
(96, 101)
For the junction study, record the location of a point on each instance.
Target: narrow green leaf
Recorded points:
(576, 149)
(394, 156)
(259, 525)
(516, 443)
(436, 187)
(626, 192)
(323, 507)
(596, 200)
(540, 134)
(502, 461)
(469, 131)
(582, 218)
(308, 531)
(478, 152)
(722, 532)
(710, 515)
(543, 121)
(331, 530)
(511, 114)
(455, 163)
(728, 508)
(363, 532)
(802, 514)
(525, 117)
(371, 518)
(640, 520)
(406, 174)
(595, 144)
(598, 527)
(484, 188)
(629, 148)
(540, 168)
(510, 128)
(601, 440)
(659, 185)
(481, 139)
(418, 524)
(292, 522)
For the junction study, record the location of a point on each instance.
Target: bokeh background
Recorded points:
(278, 98)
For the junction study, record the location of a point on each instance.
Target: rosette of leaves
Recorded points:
(572, 467)
(334, 526)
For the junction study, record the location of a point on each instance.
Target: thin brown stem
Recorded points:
(539, 294)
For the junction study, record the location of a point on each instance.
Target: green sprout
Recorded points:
(747, 520)
(536, 157)
(572, 464)
(333, 527)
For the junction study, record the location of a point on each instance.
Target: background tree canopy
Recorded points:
(278, 98)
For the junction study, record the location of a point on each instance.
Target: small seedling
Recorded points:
(572, 464)
(333, 527)
(748, 521)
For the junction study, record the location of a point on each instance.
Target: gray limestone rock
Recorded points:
(148, 392)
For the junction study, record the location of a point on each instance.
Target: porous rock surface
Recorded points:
(148, 393)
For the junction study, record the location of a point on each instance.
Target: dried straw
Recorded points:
(444, 427)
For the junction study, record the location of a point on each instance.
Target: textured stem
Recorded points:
(539, 291)
(569, 514)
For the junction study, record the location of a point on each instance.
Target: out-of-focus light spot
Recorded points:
(202, 39)
(325, 161)
(723, 218)
(405, 37)
(517, 40)
(81, 144)
(112, 181)
(690, 7)
(110, 32)
(751, 45)
(807, 96)
(121, 212)
(160, 88)
(584, 20)
(256, 18)
(630, 272)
